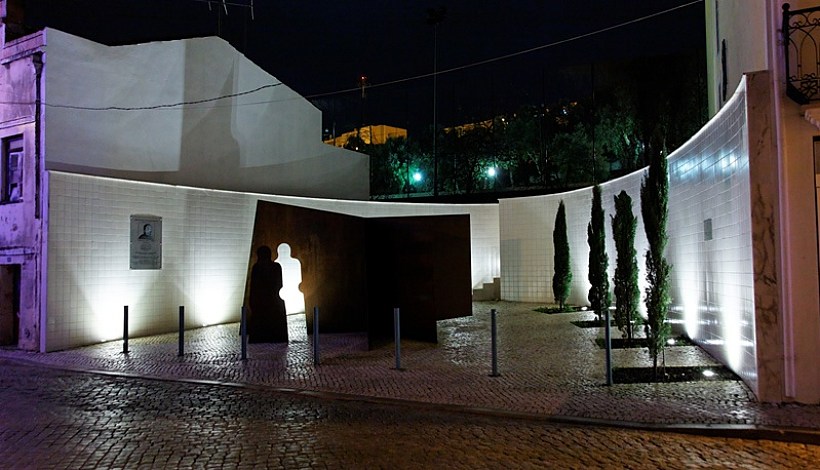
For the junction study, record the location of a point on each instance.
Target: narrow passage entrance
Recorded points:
(9, 304)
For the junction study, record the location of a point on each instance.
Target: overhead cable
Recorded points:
(161, 106)
(358, 89)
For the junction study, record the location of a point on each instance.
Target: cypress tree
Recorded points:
(627, 293)
(562, 279)
(599, 295)
(654, 201)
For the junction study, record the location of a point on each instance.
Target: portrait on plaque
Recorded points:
(146, 242)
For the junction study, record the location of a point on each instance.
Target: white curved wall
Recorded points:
(267, 141)
(712, 280)
(206, 238)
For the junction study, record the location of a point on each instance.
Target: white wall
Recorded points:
(267, 141)
(206, 247)
(712, 280)
(742, 25)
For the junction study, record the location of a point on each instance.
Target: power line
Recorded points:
(160, 106)
(514, 54)
(357, 89)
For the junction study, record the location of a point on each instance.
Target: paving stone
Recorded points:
(548, 366)
(54, 418)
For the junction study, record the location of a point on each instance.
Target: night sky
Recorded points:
(320, 48)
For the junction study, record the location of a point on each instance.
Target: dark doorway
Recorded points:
(9, 304)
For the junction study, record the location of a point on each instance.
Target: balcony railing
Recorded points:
(801, 40)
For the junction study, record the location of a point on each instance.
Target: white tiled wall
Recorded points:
(712, 280)
(206, 242)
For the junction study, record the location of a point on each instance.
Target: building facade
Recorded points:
(743, 207)
(768, 35)
(94, 146)
(131, 175)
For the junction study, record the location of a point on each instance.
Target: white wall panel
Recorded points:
(206, 247)
(712, 280)
(118, 111)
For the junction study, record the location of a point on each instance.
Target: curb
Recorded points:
(731, 431)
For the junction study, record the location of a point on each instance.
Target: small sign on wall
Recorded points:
(146, 242)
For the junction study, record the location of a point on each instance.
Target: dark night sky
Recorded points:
(321, 46)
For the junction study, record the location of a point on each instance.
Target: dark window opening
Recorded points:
(11, 176)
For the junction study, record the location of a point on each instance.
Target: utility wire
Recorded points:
(511, 55)
(161, 106)
(358, 89)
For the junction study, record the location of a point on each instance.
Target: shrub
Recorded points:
(654, 200)
(599, 295)
(627, 293)
(562, 279)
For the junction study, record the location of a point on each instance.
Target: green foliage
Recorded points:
(599, 295)
(570, 156)
(562, 279)
(654, 200)
(627, 293)
(393, 164)
(549, 146)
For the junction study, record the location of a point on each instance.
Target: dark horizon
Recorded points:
(322, 48)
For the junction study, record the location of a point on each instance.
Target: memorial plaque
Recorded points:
(146, 242)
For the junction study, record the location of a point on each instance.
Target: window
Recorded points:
(11, 175)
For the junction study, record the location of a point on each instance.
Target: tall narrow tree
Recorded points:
(654, 200)
(599, 296)
(627, 293)
(562, 279)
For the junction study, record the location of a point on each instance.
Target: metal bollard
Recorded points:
(397, 336)
(494, 340)
(181, 331)
(608, 340)
(315, 336)
(125, 329)
(243, 332)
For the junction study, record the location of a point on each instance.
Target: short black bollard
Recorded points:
(125, 329)
(494, 339)
(608, 340)
(315, 336)
(397, 336)
(181, 331)
(243, 332)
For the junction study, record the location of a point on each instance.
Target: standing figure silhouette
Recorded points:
(268, 322)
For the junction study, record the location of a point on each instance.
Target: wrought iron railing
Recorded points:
(801, 40)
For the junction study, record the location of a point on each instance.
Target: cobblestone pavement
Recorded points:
(549, 368)
(53, 418)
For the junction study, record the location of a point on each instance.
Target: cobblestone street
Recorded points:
(62, 419)
(96, 407)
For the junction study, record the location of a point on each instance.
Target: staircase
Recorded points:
(489, 290)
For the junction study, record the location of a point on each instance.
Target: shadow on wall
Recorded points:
(357, 270)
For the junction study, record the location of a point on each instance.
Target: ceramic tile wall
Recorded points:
(206, 242)
(712, 279)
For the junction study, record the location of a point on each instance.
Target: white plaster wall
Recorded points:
(206, 243)
(107, 114)
(742, 24)
(712, 281)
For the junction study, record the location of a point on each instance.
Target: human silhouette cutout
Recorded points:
(292, 278)
(268, 322)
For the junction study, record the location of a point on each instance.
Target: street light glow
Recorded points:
(417, 176)
(491, 172)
